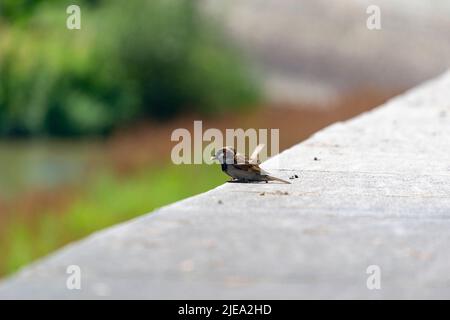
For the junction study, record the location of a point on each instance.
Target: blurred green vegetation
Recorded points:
(130, 60)
(108, 200)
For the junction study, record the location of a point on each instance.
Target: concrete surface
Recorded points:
(378, 194)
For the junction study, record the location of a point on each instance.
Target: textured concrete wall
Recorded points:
(378, 194)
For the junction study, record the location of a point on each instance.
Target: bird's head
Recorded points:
(225, 155)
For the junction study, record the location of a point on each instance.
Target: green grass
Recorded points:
(105, 201)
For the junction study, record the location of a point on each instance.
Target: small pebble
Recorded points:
(220, 202)
(262, 194)
(315, 159)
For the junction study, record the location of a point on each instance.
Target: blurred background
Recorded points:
(86, 115)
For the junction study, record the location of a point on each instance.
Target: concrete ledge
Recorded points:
(379, 194)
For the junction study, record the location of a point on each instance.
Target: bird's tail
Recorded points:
(271, 178)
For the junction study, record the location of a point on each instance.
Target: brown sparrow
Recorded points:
(240, 168)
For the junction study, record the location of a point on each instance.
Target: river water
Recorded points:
(43, 164)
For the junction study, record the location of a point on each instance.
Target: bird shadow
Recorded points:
(252, 182)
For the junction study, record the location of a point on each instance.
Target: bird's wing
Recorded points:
(254, 156)
(241, 159)
(250, 167)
